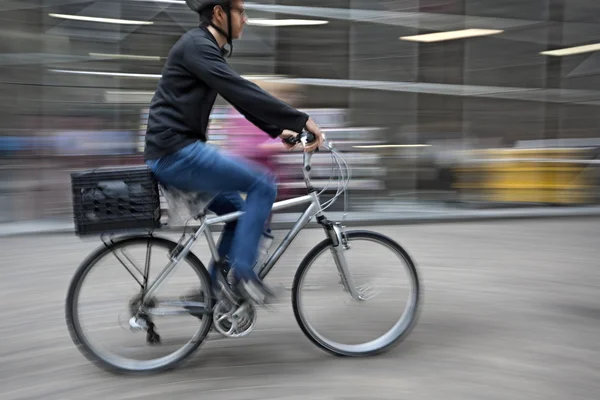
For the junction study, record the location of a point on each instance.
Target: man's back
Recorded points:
(180, 109)
(194, 73)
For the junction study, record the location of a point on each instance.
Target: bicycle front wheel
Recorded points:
(384, 275)
(106, 318)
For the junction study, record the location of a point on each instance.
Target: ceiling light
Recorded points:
(125, 56)
(163, 1)
(132, 75)
(390, 146)
(105, 20)
(130, 92)
(285, 22)
(99, 73)
(168, 1)
(572, 50)
(451, 35)
(262, 77)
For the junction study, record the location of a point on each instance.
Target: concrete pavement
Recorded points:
(511, 311)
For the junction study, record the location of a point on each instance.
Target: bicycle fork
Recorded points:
(340, 244)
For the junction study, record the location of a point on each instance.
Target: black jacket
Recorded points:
(194, 73)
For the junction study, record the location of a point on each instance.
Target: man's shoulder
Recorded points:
(197, 35)
(197, 39)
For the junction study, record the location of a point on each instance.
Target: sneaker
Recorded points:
(256, 291)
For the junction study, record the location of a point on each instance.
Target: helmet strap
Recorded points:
(227, 34)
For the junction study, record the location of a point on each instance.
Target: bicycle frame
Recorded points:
(333, 231)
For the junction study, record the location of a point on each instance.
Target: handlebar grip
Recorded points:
(293, 140)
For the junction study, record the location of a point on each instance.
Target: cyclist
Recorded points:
(176, 150)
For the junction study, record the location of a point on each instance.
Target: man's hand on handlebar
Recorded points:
(315, 137)
(312, 127)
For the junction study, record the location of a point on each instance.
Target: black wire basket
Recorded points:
(115, 199)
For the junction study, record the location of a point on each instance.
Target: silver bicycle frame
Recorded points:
(314, 209)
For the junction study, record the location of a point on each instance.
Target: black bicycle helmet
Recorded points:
(202, 7)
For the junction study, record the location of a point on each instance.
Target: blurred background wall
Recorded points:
(487, 119)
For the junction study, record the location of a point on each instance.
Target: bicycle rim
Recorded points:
(383, 338)
(116, 362)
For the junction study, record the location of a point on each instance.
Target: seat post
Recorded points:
(211, 242)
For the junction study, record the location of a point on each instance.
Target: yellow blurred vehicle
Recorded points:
(540, 175)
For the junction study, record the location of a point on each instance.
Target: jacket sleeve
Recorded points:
(259, 107)
(269, 129)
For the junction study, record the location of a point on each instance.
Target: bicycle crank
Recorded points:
(234, 321)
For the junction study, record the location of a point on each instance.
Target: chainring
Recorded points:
(234, 321)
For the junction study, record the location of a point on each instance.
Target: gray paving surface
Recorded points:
(511, 311)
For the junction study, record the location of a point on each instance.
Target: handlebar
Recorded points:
(305, 138)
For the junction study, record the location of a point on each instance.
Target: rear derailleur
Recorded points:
(141, 321)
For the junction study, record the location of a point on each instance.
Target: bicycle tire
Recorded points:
(316, 252)
(72, 318)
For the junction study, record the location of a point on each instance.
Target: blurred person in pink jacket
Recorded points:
(248, 141)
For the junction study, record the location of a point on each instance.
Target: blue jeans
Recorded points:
(203, 168)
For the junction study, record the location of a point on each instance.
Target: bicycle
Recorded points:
(228, 316)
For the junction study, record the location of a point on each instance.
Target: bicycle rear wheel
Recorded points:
(105, 294)
(318, 287)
